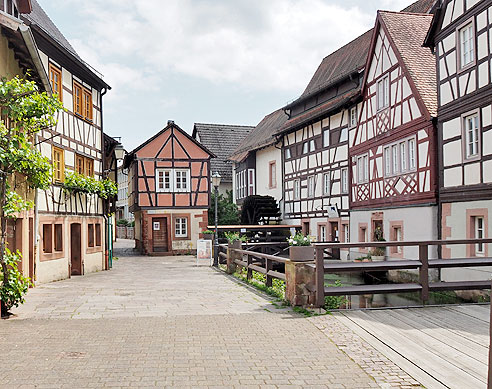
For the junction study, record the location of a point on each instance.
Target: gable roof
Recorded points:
(131, 155)
(223, 140)
(262, 135)
(408, 32)
(349, 59)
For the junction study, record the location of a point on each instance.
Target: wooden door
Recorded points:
(75, 249)
(334, 238)
(159, 235)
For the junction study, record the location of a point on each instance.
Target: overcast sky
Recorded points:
(209, 61)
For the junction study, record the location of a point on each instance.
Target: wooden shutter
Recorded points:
(58, 165)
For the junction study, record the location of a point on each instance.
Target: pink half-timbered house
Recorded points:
(169, 191)
(393, 147)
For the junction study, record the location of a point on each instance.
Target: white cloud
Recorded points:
(257, 44)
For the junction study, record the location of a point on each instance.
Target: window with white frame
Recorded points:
(326, 138)
(297, 189)
(403, 156)
(346, 232)
(172, 180)
(241, 184)
(312, 145)
(394, 157)
(326, 184)
(344, 135)
(181, 227)
(412, 154)
(322, 233)
(397, 237)
(344, 175)
(288, 153)
(311, 186)
(467, 47)
(472, 136)
(251, 182)
(400, 157)
(363, 169)
(383, 93)
(305, 147)
(479, 234)
(387, 161)
(353, 117)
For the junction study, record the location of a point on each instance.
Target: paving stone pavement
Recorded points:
(163, 322)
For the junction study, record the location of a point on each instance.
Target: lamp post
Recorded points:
(215, 183)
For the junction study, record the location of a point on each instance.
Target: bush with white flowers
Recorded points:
(299, 239)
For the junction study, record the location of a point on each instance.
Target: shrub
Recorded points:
(15, 285)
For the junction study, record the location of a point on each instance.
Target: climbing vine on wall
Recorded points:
(78, 183)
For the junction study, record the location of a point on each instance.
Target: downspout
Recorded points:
(281, 148)
(105, 204)
(28, 38)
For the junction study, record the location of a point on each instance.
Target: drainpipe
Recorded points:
(105, 217)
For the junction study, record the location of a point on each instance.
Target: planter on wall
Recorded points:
(208, 236)
(301, 253)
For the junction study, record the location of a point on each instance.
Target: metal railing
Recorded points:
(422, 264)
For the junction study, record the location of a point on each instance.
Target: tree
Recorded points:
(227, 212)
(24, 112)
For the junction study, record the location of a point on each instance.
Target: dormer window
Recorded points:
(383, 93)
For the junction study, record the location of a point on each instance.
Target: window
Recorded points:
(181, 180)
(403, 156)
(346, 233)
(353, 117)
(383, 93)
(251, 182)
(394, 153)
(387, 161)
(297, 189)
(344, 135)
(82, 101)
(362, 234)
(55, 80)
(479, 234)
(77, 99)
(345, 180)
(90, 235)
(322, 234)
(169, 180)
(312, 145)
(272, 174)
(98, 235)
(305, 148)
(311, 186)
(467, 50)
(58, 237)
(181, 227)
(288, 154)
(47, 238)
(79, 164)
(58, 164)
(163, 182)
(89, 167)
(363, 169)
(472, 136)
(326, 184)
(326, 138)
(412, 159)
(397, 236)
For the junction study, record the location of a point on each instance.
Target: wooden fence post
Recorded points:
(424, 272)
(233, 255)
(268, 267)
(320, 277)
(249, 260)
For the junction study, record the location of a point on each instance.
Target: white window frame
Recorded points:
(251, 182)
(395, 159)
(297, 189)
(311, 186)
(326, 138)
(312, 145)
(412, 154)
(353, 117)
(346, 232)
(466, 44)
(400, 157)
(178, 185)
(403, 156)
(181, 227)
(382, 93)
(344, 179)
(344, 134)
(471, 136)
(158, 187)
(479, 226)
(363, 169)
(387, 161)
(322, 233)
(326, 184)
(305, 148)
(288, 153)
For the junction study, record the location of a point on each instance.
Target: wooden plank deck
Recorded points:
(441, 347)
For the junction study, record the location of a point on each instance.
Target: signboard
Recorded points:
(157, 226)
(203, 252)
(333, 211)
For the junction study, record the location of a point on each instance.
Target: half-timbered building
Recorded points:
(169, 191)
(71, 227)
(393, 147)
(461, 36)
(260, 148)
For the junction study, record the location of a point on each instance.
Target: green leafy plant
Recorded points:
(335, 302)
(75, 182)
(207, 232)
(24, 112)
(235, 236)
(227, 211)
(14, 285)
(299, 239)
(122, 223)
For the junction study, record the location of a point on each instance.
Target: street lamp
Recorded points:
(215, 183)
(119, 152)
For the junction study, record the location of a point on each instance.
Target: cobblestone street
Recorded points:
(163, 322)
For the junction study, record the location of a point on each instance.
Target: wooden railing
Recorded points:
(423, 264)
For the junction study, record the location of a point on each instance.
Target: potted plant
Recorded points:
(235, 237)
(208, 234)
(378, 253)
(300, 248)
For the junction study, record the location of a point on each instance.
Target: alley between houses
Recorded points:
(163, 322)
